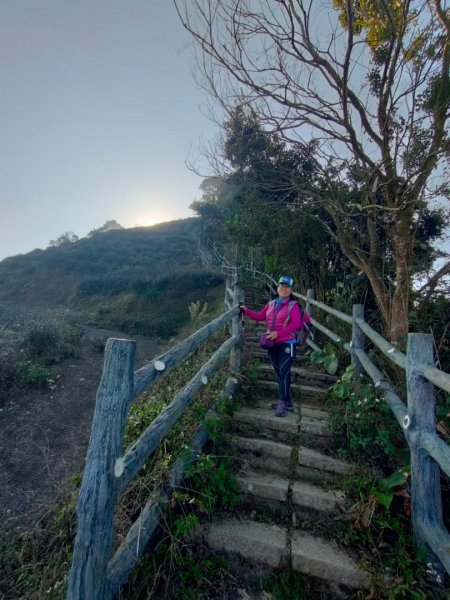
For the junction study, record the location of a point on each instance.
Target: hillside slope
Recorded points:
(138, 280)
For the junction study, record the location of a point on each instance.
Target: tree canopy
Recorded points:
(367, 83)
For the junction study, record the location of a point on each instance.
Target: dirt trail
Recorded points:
(44, 434)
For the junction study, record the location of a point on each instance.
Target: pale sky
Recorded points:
(98, 113)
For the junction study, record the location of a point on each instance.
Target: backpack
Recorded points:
(301, 335)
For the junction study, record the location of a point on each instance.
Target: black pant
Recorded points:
(282, 356)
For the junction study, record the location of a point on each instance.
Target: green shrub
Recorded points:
(104, 309)
(9, 374)
(150, 294)
(169, 325)
(49, 343)
(33, 375)
(42, 343)
(327, 358)
(361, 423)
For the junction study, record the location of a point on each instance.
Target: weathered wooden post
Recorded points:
(226, 300)
(426, 503)
(309, 304)
(358, 338)
(236, 329)
(99, 489)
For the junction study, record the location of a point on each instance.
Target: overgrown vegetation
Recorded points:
(365, 430)
(137, 281)
(379, 527)
(363, 426)
(125, 279)
(35, 564)
(32, 340)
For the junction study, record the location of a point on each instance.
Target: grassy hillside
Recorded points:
(144, 281)
(137, 280)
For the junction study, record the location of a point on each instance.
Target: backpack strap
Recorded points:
(272, 304)
(305, 332)
(290, 307)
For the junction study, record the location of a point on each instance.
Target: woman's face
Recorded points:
(284, 291)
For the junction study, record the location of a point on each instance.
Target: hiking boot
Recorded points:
(289, 407)
(280, 410)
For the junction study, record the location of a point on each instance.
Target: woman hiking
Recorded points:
(284, 318)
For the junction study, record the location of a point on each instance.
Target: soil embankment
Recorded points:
(44, 433)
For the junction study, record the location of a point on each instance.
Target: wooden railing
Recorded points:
(429, 453)
(95, 573)
(417, 418)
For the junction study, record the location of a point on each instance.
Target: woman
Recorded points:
(283, 317)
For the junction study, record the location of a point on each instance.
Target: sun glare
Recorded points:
(149, 220)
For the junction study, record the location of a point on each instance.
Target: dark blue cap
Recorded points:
(286, 280)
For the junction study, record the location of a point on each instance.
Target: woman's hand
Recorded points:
(272, 335)
(241, 307)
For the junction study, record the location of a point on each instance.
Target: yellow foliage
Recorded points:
(380, 20)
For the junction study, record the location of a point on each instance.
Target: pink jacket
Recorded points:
(286, 331)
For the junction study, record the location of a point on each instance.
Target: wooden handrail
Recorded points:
(428, 451)
(137, 538)
(146, 375)
(397, 406)
(439, 378)
(332, 311)
(146, 444)
(437, 449)
(94, 574)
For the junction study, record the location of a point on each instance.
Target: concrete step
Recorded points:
(316, 466)
(265, 423)
(302, 408)
(312, 498)
(265, 487)
(313, 395)
(257, 353)
(305, 497)
(300, 375)
(263, 455)
(270, 456)
(261, 543)
(313, 412)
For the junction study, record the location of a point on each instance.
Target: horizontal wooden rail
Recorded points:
(138, 453)
(437, 377)
(386, 347)
(94, 574)
(332, 311)
(309, 342)
(161, 364)
(417, 418)
(133, 546)
(437, 449)
(438, 540)
(397, 406)
(333, 336)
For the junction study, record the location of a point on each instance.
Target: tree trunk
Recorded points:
(401, 298)
(381, 293)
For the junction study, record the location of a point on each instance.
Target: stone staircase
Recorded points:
(286, 467)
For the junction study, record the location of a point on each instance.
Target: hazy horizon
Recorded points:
(99, 112)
